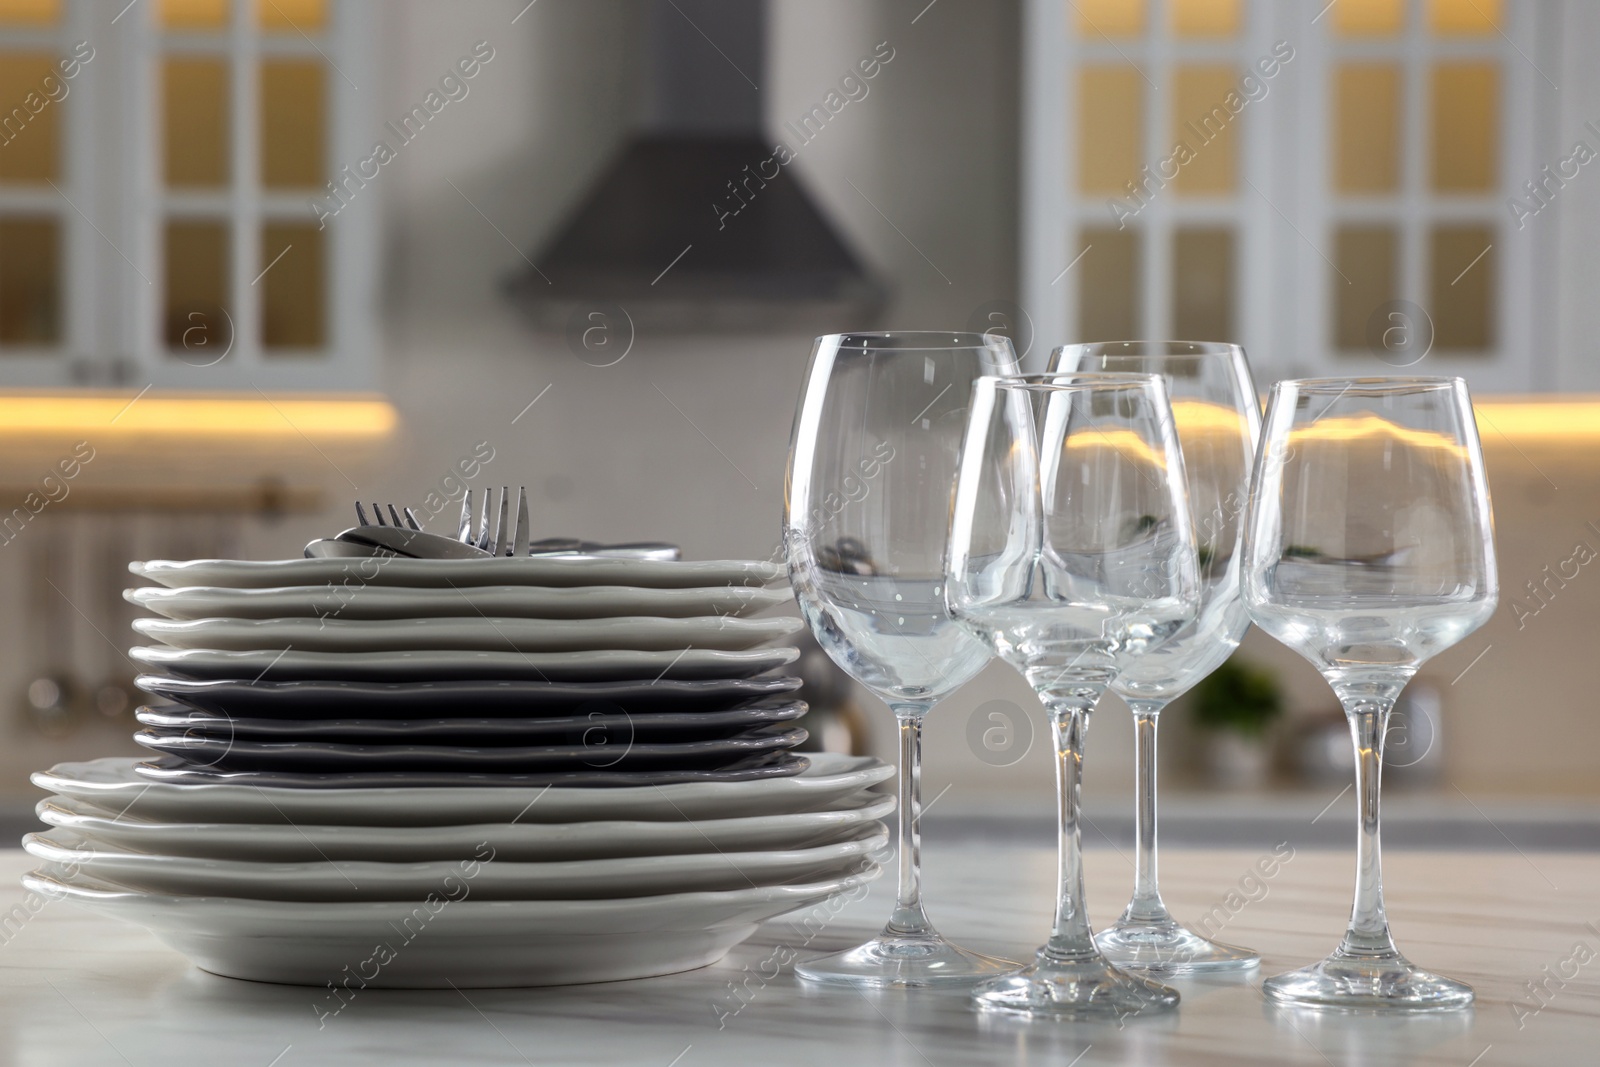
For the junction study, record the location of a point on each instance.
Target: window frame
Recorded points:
(113, 251)
(1283, 307)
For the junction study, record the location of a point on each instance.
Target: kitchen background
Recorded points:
(971, 167)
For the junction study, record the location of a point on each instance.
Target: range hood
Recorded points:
(698, 222)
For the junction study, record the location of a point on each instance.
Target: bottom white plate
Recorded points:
(441, 942)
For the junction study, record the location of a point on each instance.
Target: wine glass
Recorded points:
(1218, 419)
(1070, 548)
(867, 502)
(1369, 548)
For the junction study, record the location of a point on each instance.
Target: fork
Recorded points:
(506, 542)
(501, 539)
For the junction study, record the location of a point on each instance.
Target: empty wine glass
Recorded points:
(1218, 419)
(1368, 549)
(871, 465)
(1070, 547)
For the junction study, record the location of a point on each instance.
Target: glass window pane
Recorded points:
(292, 16)
(30, 126)
(1369, 18)
(1113, 18)
(293, 113)
(193, 14)
(1464, 16)
(1461, 278)
(293, 289)
(197, 292)
(1205, 18)
(1203, 121)
(1367, 128)
(1367, 278)
(1466, 119)
(1110, 129)
(1202, 284)
(1108, 285)
(30, 281)
(30, 12)
(195, 114)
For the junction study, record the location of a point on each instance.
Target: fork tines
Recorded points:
(504, 538)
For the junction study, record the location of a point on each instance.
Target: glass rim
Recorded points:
(955, 340)
(1370, 385)
(1201, 349)
(1052, 380)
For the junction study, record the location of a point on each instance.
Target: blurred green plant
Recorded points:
(1238, 697)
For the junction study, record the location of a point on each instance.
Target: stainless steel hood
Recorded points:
(700, 221)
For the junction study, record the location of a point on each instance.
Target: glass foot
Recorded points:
(1090, 987)
(1164, 947)
(1355, 982)
(904, 961)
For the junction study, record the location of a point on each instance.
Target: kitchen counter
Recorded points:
(78, 989)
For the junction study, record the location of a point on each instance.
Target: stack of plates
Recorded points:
(418, 887)
(326, 672)
(564, 770)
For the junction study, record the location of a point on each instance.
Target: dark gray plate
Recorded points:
(589, 728)
(765, 765)
(481, 699)
(599, 753)
(436, 665)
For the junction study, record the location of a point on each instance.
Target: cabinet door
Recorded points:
(190, 254)
(1328, 184)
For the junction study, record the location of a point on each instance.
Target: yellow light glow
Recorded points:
(1127, 444)
(1530, 418)
(95, 417)
(1196, 417)
(1111, 18)
(30, 12)
(1369, 428)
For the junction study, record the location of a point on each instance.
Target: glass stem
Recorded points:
(1146, 905)
(909, 919)
(1368, 935)
(1072, 939)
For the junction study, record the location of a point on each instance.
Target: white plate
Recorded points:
(439, 665)
(491, 877)
(448, 573)
(526, 841)
(499, 601)
(114, 786)
(468, 943)
(480, 633)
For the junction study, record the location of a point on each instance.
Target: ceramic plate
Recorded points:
(526, 841)
(114, 786)
(592, 727)
(761, 765)
(489, 877)
(469, 944)
(426, 700)
(452, 573)
(473, 634)
(498, 601)
(599, 750)
(431, 665)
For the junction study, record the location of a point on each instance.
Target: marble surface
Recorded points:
(77, 989)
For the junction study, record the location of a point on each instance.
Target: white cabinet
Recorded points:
(157, 218)
(1332, 185)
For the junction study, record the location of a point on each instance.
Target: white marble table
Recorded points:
(76, 989)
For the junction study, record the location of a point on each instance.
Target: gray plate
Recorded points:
(595, 752)
(499, 601)
(765, 765)
(615, 727)
(431, 700)
(432, 666)
(446, 573)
